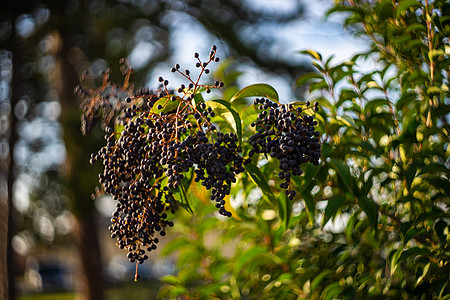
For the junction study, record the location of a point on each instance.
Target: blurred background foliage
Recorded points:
(45, 47)
(371, 220)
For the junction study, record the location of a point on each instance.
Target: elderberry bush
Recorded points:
(288, 135)
(161, 137)
(159, 141)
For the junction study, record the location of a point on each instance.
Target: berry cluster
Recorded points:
(287, 134)
(164, 136)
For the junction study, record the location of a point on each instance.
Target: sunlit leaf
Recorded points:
(257, 90)
(313, 54)
(166, 105)
(424, 273)
(230, 115)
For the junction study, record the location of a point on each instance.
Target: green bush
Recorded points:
(383, 173)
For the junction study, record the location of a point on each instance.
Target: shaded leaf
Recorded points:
(343, 172)
(316, 281)
(371, 210)
(424, 273)
(260, 180)
(331, 290)
(284, 206)
(334, 203)
(248, 255)
(440, 183)
(182, 199)
(305, 78)
(404, 5)
(412, 252)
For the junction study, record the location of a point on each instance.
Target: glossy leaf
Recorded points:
(257, 90)
(230, 115)
(166, 103)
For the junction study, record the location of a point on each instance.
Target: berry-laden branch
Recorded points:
(161, 139)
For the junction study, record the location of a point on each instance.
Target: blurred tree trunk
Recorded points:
(16, 65)
(3, 247)
(80, 176)
(11, 63)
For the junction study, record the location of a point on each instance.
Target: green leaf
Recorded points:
(248, 255)
(259, 179)
(439, 227)
(284, 206)
(384, 10)
(440, 183)
(404, 5)
(349, 228)
(182, 199)
(231, 116)
(412, 233)
(316, 281)
(372, 105)
(412, 252)
(310, 204)
(166, 103)
(305, 78)
(318, 85)
(174, 245)
(257, 90)
(404, 100)
(118, 128)
(416, 27)
(343, 172)
(313, 54)
(171, 280)
(198, 98)
(331, 291)
(394, 259)
(371, 210)
(424, 273)
(334, 203)
(347, 120)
